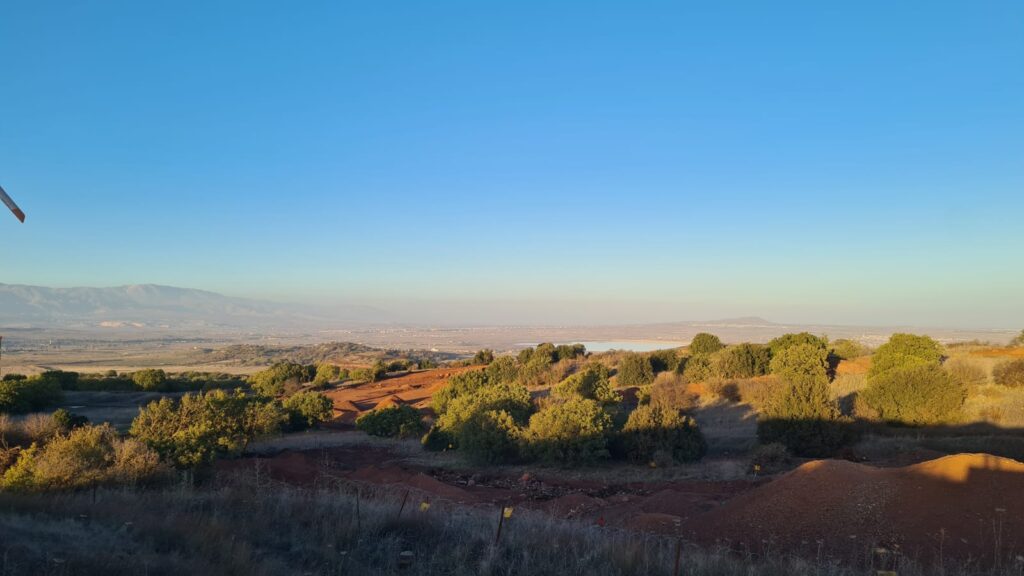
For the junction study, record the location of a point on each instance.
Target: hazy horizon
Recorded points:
(579, 162)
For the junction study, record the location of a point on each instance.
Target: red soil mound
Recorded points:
(968, 504)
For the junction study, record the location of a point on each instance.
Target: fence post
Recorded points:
(402, 507)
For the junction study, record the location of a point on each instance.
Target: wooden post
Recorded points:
(679, 554)
(501, 522)
(359, 519)
(402, 507)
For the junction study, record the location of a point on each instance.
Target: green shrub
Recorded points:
(904, 350)
(511, 398)
(1009, 374)
(280, 378)
(664, 360)
(801, 363)
(483, 357)
(29, 395)
(570, 351)
(86, 456)
(635, 370)
(698, 368)
(490, 436)
(777, 345)
(503, 370)
(591, 382)
(13, 377)
(458, 385)
(801, 413)
(326, 373)
(846, 349)
(574, 431)
(919, 394)
(308, 409)
(741, 361)
(193, 431)
(392, 422)
(66, 380)
(656, 428)
(705, 343)
(438, 439)
(150, 380)
(67, 421)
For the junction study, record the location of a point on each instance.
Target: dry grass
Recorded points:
(258, 529)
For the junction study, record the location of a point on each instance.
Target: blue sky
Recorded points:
(857, 162)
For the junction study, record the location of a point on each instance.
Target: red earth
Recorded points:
(966, 505)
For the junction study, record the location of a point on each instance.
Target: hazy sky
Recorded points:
(856, 162)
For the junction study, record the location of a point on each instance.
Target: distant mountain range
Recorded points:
(153, 306)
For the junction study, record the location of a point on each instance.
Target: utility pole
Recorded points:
(1, 355)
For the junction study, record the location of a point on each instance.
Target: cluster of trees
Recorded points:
(148, 380)
(188, 433)
(490, 416)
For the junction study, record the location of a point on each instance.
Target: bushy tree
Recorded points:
(326, 373)
(705, 343)
(777, 345)
(490, 436)
(802, 414)
(657, 428)
(503, 370)
(280, 378)
(438, 439)
(904, 350)
(570, 351)
(698, 368)
(846, 349)
(191, 432)
(1009, 374)
(29, 394)
(742, 361)
(458, 385)
(400, 421)
(513, 399)
(1018, 340)
(635, 370)
(150, 380)
(308, 409)
(574, 431)
(66, 380)
(483, 357)
(83, 457)
(917, 394)
(801, 363)
(591, 382)
(664, 360)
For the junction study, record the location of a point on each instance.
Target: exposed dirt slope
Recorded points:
(966, 504)
(414, 389)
